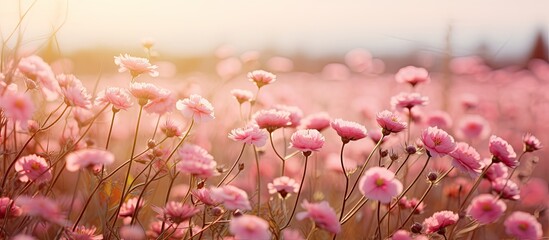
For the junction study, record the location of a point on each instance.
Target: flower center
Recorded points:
(523, 226)
(487, 207)
(35, 166)
(380, 182)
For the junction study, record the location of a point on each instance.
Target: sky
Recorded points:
(319, 27)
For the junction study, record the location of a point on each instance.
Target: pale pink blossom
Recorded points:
(176, 231)
(204, 195)
(145, 92)
(33, 168)
(284, 186)
(74, 91)
(437, 141)
(41, 207)
(322, 214)
(411, 204)
(118, 97)
(242, 95)
(466, 159)
(348, 131)
(439, 221)
(171, 128)
(177, 212)
(439, 119)
(506, 188)
(523, 226)
(401, 235)
(390, 122)
(495, 171)
(534, 192)
(132, 232)
(412, 75)
(135, 65)
(83, 233)
(128, 208)
(486, 209)
(408, 100)
(23, 236)
(88, 158)
(231, 197)
(473, 127)
(8, 209)
(18, 107)
(197, 161)
(296, 114)
(249, 227)
(35, 69)
(307, 140)
(380, 184)
(531, 143)
(251, 134)
(272, 119)
(196, 107)
(261, 77)
(502, 151)
(163, 104)
(291, 234)
(318, 121)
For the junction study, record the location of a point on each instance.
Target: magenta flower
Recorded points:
(135, 65)
(322, 214)
(348, 131)
(502, 152)
(251, 134)
(88, 158)
(41, 207)
(408, 100)
(437, 141)
(242, 95)
(8, 209)
(231, 197)
(33, 168)
(84, 233)
(249, 227)
(473, 127)
(486, 209)
(412, 75)
(272, 119)
(318, 121)
(197, 161)
(507, 188)
(497, 170)
(307, 140)
(128, 208)
(439, 221)
(118, 97)
(295, 114)
(284, 186)
(261, 78)
(177, 212)
(196, 107)
(439, 119)
(523, 225)
(380, 184)
(390, 122)
(466, 159)
(531, 143)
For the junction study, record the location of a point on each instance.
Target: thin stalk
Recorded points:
(233, 166)
(298, 193)
(258, 182)
(346, 182)
(363, 167)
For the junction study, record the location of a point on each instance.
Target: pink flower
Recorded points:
(84, 233)
(17, 106)
(196, 160)
(177, 212)
(272, 119)
(145, 92)
(497, 170)
(196, 107)
(118, 97)
(295, 114)
(466, 159)
(380, 184)
(261, 78)
(437, 141)
(176, 231)
(502, 152)
(242, 95)
(523, 226)
(284, 186)
(75, 93)
(35, 69)
(171, 128)
(204, 195)
(132, 232)
(33, 168)
(531, 143)
(390, 122)
(128, 208)
(8, 209)
(163, 104)
(439, 221)
(411, 204)
(291, 234)
(249, 227)
(348, 131)
(506, 188)
(41, 207)
(412, 75)
(322, 214)
(318, 121)
(231, 197)
(135, 65)
(439, 119)
(534, 192)
(307, 140)
(473, 127)
(486, 209)
(401, 235)
(251, 134)
(88, 158)
(408, 100)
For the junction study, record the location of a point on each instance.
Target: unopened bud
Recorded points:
(411, 149)
(432, 176)
(416, 228)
